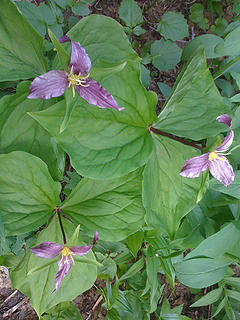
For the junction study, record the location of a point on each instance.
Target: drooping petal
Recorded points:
(222, 170)
(193, 167)
(64, 266)
(49, 85)
(227, 142)
(81, 251)
(97, 95)
(47, 249)
(80, 61)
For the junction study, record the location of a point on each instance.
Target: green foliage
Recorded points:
(28, 192)
(173, 26)
(130, 13)
(119, 208)
(165, 54)
(15, 63)
(62, 311)
(196, 15)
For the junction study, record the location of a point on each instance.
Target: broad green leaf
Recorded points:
(228, 237)
(167, 196)
(209, 298)
(62, 311)
(220, 26)
(173, 26)
(130, 13)
(112, 207)
(38, 284)
(200, 272)
(20, 46)
(231, 45)
(233, 294)
(106, 143)
(192, 108)
(208, 41)
(104, 40)
(165, 54)
(134, 242)
(233, 189)
(28, 194)
(18, 131)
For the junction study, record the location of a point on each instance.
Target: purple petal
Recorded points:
(63, 39)
(81, 251)
(193, 167)
(49, 85)
(47, 250)
(80, 61)
(97, 95)
(222, 170)
(64, 266)
(227, 142)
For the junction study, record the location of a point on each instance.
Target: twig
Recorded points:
(9, 297)
(14, 308)
(95, 306)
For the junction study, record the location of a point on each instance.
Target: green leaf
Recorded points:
(231, 45)
(38, 285)
(233, 294)
(236, 77)
(145, 76)
(228, 236)
(20, 46)
(133, 270)
(208, 298)
(233, 189)
(119, 210)
(208, 41)
(200, 272)
(62, 53)
(220, 26)
(94, 31)
(62, 311)
(106, 143)
(134, 242)
(130, 13)
(80, 9)
(167, 196)
(165, 89)
(196, 15)
(173, 26)
(192, 108)
(28, 194)
(165, 54)
(18, 131)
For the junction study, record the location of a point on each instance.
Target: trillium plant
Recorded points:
(86, 148)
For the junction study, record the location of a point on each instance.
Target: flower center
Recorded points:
(214, 156)
(77, 80)
(65, 253)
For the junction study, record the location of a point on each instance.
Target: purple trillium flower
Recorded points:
(218, 165)
(52, 250)
(54, 83)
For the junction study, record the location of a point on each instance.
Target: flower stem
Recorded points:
(225, 68)
(58, 211)
(171, 136)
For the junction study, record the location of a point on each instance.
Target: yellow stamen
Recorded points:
(77, 80)
(65, 253)
(215, 156)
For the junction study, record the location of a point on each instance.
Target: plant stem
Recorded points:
(225, 68)
(171, 136)
(58, 211)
